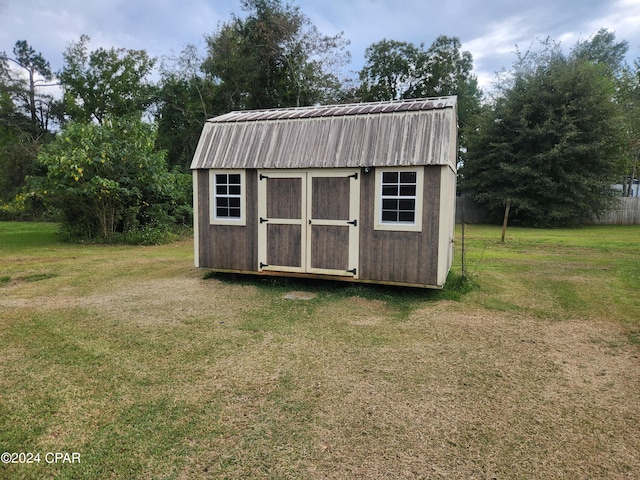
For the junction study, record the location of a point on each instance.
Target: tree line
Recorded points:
(110, 158)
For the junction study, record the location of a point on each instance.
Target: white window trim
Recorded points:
(213, 219)
(415, 226)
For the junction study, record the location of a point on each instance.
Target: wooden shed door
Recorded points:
(282, 211)
(309, 221)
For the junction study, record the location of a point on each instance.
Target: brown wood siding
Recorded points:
(284, 245)
(228, 246)
(330, 247)
(405, 257)
(285, 198)
(204, 242)
(325, 192)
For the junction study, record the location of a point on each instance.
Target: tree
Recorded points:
(447, 70)
(602, 49)
(24, 115)
(274, 57)
(24, 86)
(105, 82)
(550, 144)
(395, 70)
(390, 71)
(187, 98)
(628, 99)
(106, 178)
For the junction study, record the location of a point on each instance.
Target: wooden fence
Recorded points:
(626, 213)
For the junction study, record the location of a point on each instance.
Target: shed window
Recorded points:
(227, 197)
(399, 199)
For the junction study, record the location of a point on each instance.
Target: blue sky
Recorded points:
(490, 30)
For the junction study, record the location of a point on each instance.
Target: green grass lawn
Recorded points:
(559, 273)
(133, 360)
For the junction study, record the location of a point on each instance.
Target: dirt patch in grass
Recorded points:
(297, 295)
(169, 301)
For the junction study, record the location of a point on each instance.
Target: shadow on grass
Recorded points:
(401, 298)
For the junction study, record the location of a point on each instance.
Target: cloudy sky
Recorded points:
(489, 29)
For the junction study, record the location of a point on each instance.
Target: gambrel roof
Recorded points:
(406, 132)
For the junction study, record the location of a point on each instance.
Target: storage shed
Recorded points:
(361, 192)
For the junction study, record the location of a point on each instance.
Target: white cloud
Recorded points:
(489, 30)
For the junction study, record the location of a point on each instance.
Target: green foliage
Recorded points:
(457, 286)
(187, 98)
(274, 57)
(24, 120)
(602, 50)
(550, 143)
(628, 99)
(396, 70)
(105, 82)
(24, 88)
(108, 179)
(391, 70)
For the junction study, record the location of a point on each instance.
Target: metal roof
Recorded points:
(408, 132)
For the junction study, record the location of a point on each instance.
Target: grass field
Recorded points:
(130, 359)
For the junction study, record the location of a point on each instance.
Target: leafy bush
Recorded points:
(108, 181)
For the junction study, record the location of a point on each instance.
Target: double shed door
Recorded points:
(309, 221)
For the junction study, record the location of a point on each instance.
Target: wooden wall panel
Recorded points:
(330, 247)
(447, 223)
(204, 232)
(431, 223)
(284, 246)
(395, 256)
(228, 247)
(285, 198)
(330, 198)
(385, 256)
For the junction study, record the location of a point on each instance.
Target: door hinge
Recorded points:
(354, 176)
(262, 220)
(353, 270)
(354, 223)
(262, 265)
(262, 177)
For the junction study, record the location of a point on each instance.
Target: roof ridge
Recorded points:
(364, 108)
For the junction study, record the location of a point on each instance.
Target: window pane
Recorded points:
(408, 190)
(389, 216)
(406, 217)
(221, 178)
(389, 177)
(407, 205)
(389, 204)
(408, 177)
(389, 190)
(227, 200)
